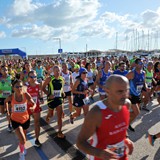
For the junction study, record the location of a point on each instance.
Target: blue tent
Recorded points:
(13, 52)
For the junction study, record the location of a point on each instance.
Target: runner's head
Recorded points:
(117, 88)
(4, 70)
(150, 65)
(18, 86)
(64, 66)
(107, 65)
(32, 76)
(27, 66)
(88, 66)
(122, 66)
(39, 62)
(82, 73)
(56, 71)
(76, 67)
(138, 63)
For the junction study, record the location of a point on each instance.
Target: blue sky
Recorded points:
(37, 26)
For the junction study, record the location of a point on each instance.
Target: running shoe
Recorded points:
(37, 143)
(9, 129)
(25, 152)
(60, 135)
(21, 156)
(131, 128)
(151, 139)
(145, 109)
(71, 119)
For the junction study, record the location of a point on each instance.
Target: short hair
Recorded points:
(16, 81)
(121, 63)
(31, 72)
(55, 67)
(86, 66)
(150, 63)
(137, 60)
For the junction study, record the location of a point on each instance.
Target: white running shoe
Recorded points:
(21, 156)
(25, 152)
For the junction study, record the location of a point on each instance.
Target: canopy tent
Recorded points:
(13, 52)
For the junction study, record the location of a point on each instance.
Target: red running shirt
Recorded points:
(34, 92)
(112, 132)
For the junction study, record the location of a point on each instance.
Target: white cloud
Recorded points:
(21, 8)
(43, 32)
(63, 18)
(2, 34)
(151, 19)
(58, 14)
(70, 19)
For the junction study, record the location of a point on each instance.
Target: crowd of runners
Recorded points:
(125, 86)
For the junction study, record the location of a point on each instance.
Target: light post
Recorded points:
(59, 39)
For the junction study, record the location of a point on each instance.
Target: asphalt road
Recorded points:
(53, 148)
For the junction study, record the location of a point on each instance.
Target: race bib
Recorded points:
(6, 93)
(149, 84)
(57, 93)
(34, 99)
(39, 80)
(86, 101)
(20, 107)
(67, 81)
(139, 88)
(117, 148)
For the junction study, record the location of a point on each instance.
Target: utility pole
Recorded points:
(116, 40)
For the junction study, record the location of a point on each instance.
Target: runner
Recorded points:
(34, 89)
(68, 85)
(19, 113)
(81, 95)
(75, 74)
(150, 82)
(39, 71)
(90, 79)
(121, 69)
(157, 78)
(107, 124)
(24, 73)
(101, 79)
(54, 97)
(137, 82)
(5, 91)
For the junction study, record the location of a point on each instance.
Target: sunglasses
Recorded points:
(33, 77)
(18, 87)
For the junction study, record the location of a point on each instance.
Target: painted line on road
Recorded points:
(39, 150)
(64, 144)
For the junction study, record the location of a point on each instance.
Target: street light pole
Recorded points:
(59, 43)
(59, 39)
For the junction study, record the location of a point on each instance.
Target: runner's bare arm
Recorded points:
(74, 89)
(91, 122)
(46, 82)
(97, 82)
(41, 92)
(130, 75)
(30, 101)
(8, 99)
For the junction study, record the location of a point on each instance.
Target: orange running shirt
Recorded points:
(19, 110)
